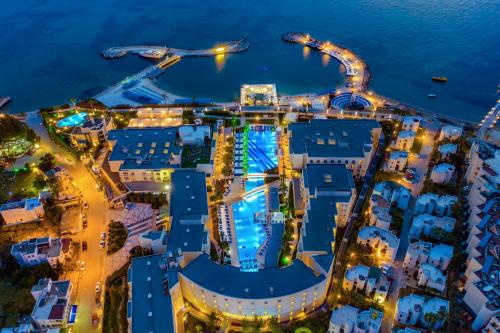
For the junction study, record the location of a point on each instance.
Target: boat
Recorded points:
(152, 54)
(440, 79)
(264, 69)
(4, 100)
(431, 96)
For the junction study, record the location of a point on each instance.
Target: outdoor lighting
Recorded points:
(220, 49)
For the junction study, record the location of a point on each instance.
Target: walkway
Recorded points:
(490, 119)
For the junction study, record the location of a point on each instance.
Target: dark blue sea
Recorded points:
(50, 49)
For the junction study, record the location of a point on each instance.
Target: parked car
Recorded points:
(84, 224)
(83, 265)
(98, 287)
(95, 321)
(84, 246)
(103, 236)
(85, 205)
(102, 244)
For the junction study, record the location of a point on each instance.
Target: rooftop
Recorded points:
(386, 236)
(144, 148)
(28, 204)
(328, 179)
(318, 234)
(332, 137)
(267, 282)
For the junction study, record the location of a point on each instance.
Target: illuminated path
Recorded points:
(490, 119)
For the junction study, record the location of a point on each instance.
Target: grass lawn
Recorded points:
(115, 302)
(193, 155)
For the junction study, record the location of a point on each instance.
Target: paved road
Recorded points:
(357, 209)
(84, 283)
(421, 164)
(397, 271)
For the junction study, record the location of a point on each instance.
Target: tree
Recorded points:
(274, 325)
(431, 318)
(39, 182)
(47, 162)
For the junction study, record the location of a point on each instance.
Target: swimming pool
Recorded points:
(73, 120)
(250, 233)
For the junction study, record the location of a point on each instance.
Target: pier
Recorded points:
(355, 68)
(490, 119)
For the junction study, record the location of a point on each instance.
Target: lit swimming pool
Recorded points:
(250, 233)
(73, 120)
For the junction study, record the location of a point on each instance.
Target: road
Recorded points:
(421, 164)
(84, 283)
(357, 210)
(397, 271)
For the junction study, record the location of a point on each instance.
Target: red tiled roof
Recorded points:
(57, 311)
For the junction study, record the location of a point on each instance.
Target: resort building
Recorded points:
(334, 141)
(194, 135)
(405, 140)
(411, 123)
(392, 193)
(447, 149)
(155, 241)
(371, 281)
(382, 242)
(157, 117)
(37, 251)
(442, 173)
(348, 319)
(24, 211)
(379, 214)
(420, 252)
(330, 180)
(397, 160)
(258, 95)
(482, 289)
(483, 174)
(450, 132)
(426, 224)
(431, 277)
(413, 309)
(431, 203)
(91, 133)
(144, 154)
(52, 303)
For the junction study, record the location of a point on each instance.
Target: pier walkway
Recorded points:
(356, 69)
(490, 119)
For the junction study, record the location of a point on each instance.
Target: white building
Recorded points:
(154, 240)
(92, 132)
(421, 252)
(37, 251)
(450, 132)
(52, 303)
(382, 242)
(493, 325)
(24, 211)
(348, 319)
(371, 281)
(397, 160)
(334, 141)
(194, 135)
(411, 123)
(432, 277)
(405, 140)
(483, 273)
(442, 173)
(425, 224)
(431, 203)
(392, 192)
(413, 309)
(447, 149)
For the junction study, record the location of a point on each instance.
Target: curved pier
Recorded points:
(355, 67)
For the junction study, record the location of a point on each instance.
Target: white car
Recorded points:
(103, 236)
(102, 244)
(83, 265)
(98, 287)
(85, 205)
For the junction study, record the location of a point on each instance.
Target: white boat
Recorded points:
(152, 54)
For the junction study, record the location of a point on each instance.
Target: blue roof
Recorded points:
(160, 303)
(29, 204)
(319, 230)
(274, 201)
(324, 260)
(328, 179)
(152, 146)
(272, 253)
(188, 205)
(268, 282)
(332, 137)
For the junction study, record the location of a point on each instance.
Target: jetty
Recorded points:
(356, 69)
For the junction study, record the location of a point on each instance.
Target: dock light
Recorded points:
(220, 49)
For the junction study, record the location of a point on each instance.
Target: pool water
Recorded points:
(250, 234)
(73, 120)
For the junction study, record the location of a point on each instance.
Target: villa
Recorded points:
(397, 160)
(392, 193)
(432, 277)
(381, 241)
(37, 251)
(24, 211)
(334, 141)
(91, 133)
(420, 252)
(371, 281)
(450, 132)
(411, 123)
(426, 224)
(52, 303)
(431, 203)
(405, 140)
(442, 173)
(447, 149)
(348, 319)
(413, 309)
